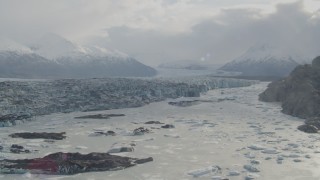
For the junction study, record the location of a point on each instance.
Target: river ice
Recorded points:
(229, 135)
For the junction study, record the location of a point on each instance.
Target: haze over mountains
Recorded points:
(52, 56)
(266, 60)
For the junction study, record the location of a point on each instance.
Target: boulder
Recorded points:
(17, 149)
(102, 133)
(39, 135)
(308, 128)
(168, 126)
(69, 163)
(140, 131)
(315, 121)
(153, 122)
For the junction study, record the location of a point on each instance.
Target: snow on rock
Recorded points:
(265, 60)
(53, 56)
(9, 45)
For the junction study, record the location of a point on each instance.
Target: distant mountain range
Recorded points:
(52, 56)
(265, 60)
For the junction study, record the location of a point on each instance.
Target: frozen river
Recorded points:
(234, 131)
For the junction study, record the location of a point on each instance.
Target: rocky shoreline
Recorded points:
(298, 94)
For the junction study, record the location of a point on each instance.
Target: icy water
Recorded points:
(234, 131)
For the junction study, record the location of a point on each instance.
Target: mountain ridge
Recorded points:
(57, 57)
(265, 60)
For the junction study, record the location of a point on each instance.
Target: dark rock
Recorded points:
(70, 163)
(15, 146)
(168, 126)
(17, 149)
(308, 128)
(185, 103)
(153, 122)
(141, 161)
(110, 133)
(141, 131)
(99, 116)
(298, 93)
(1, 148)
(100, 133)
(50, 141)
(41, 135)
(315, 121)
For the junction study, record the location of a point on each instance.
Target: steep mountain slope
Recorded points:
(27, 65)
(55, 57)
(299, 93)
(264, 60)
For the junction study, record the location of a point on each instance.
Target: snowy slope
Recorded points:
(10, 45)
(52, 56)
(265, 60)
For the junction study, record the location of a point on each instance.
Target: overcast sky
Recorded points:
(156, 31)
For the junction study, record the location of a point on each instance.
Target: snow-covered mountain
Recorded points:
(265, 60)
(52, 56)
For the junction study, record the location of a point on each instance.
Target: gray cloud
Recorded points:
(157, 31)
(224, 37)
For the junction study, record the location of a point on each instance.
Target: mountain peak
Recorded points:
(13, 46)
(264, 59)
(53, 46)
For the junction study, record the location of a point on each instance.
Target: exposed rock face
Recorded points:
(299, 93)
(41, 135)
(69, 163)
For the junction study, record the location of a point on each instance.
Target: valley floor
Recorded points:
(231, 130)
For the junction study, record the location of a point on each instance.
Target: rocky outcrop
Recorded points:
(40, 135)
(299, 93)
(69, 163)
